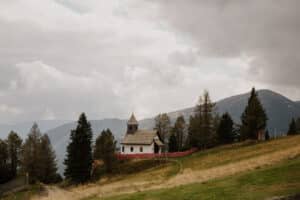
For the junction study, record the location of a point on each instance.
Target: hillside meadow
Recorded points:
(263, 169)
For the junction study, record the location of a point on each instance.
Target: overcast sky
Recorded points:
(110, 58)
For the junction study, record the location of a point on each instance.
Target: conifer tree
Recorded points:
(31, 153)
(201, 130)
(14, 143)
(179, 132)
(4, 167)
(298, 125)
(254, 118)
(173, 147)
(267, 135)
(79, 152)
(163, 126)
(105, 149)
(47, 160)
(292, 128)
(225, 130)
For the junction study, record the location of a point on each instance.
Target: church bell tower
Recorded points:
(132, 125)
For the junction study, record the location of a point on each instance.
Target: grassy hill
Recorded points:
(214, 171)
(245, 170)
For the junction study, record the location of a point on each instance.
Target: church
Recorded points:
(138, 141)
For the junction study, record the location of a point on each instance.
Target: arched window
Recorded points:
(131, 149)
(141, 149)
(123, 148)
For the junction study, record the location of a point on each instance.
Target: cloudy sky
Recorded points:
(110, 58)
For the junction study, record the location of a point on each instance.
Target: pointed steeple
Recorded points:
(132, 120)
(132, 125)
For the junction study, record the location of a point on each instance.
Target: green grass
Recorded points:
(26, 194)
(282, 179)
(236, 152)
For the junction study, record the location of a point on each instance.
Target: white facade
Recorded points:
(137, 149)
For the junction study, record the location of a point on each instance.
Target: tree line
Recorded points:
(207, 129)
(33, 158)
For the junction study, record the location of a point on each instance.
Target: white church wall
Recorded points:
(136, 149)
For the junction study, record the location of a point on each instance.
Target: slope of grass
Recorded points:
(26, 194)
(282, 179)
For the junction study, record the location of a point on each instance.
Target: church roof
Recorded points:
(132, 120)
(145, 137)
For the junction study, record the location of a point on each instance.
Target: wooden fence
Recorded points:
(155, 155)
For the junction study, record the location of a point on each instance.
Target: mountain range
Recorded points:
(280, 111)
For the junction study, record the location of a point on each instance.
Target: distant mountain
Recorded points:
(23, 128)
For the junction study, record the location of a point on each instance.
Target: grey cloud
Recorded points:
(267, 31)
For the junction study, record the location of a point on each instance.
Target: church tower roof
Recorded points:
(132, 120)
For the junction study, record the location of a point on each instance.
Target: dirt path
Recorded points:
(185, 177)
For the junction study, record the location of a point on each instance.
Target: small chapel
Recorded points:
(138, 141)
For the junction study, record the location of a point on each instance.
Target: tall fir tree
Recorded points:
(292, 128)
(173, 147)
(254, 118)
(179, 132)
(79, 152)
(105, 150)
(201, 129)
(31, 154)
(298, 125)
(267, 135)
(225, 132)
(47, 160)
(163, 126)
(4, 167)
(14, 143)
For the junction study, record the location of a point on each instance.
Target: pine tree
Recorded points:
(298, 125)
(254, 117)
(105, 149)
(79, 152)
(4, 167)
(292, 128)
(201, 129)
(173, 147)
(163, 126)
(31, 153)
(179, 132)
(47, 160)
(14, 149)
(225, 130)
(267, 135)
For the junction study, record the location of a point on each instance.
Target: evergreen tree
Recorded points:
(208, 118)
(292, 128)
(14, 148)
(105, 149)
(225, 130)
(179, 131)
(47, 160)
(201, 128)
(267, 135)
(31, 154)
(163, 126)
(4, 167)
(79, 152)
(254, 117)
(173, 147)
(298, 125)
(193, 131)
